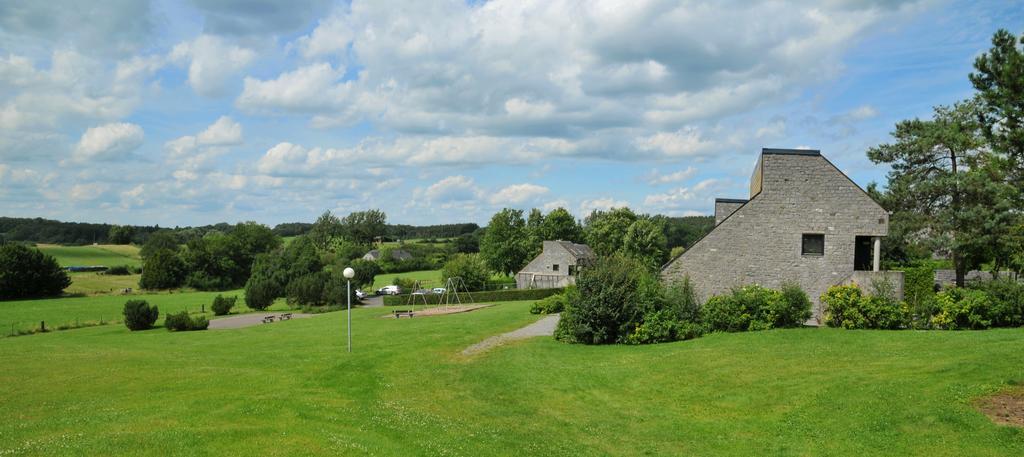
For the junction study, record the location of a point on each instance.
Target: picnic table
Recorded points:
(403, 312)
(268, 319)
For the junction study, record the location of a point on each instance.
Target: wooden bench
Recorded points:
(403, 312)
(285, 316)
(268, 319)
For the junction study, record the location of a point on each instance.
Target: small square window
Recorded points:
(554, 267)
(813, 244)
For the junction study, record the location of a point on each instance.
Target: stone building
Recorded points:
(555, 266)
(805, 222)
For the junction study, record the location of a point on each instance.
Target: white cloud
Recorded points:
(108, 142)
(212, 62)
(312, 88)
(452, 189)
(682, 143)
(331, 36)
(656, 178)
(517, 194)
(600, 204)
(223, 132)
(685, 197)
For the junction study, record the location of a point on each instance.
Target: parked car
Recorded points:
(389, 290)
(360, 294)
(439, 290)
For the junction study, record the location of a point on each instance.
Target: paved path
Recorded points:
(249, 320)
(544, 327)
(373, 301)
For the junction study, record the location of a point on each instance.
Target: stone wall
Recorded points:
(541, 267)
(946, 278)
(725, 207)
(761, 242)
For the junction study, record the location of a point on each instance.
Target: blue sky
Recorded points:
(186, 113)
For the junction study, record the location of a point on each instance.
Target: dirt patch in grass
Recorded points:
(1004, 407)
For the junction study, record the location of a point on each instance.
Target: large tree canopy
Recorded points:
(504, 246)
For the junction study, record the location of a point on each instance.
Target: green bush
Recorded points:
(663, 326)
(608, 306)
(182, 322)
(680, 295)
(962, 308)
(365, 272)
(118, 270)
(470, 267)
(138, 315)
(261, 293)
(404, 284)
(163, 270)
(847, 307)
(222, 305)
(1007, 301)
(28, 273)
(550, 305)
(919, 293)
(306, 290)
(756, 308)
(477, 297)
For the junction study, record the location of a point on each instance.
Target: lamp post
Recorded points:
(349, 273)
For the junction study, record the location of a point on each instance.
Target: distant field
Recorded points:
(104, 254)
(93, 283)
(428, 278)
(25, 314)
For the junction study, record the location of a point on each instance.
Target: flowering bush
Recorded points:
(847, 307)
(960, 308)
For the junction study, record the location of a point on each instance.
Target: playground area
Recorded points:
(435, 310)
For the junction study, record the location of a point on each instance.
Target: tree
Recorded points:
(470, 267)
(645, 241)
(939, 180)
(605, 230)
(535, 235)
(999, 80)
(120, 234)
(365, 272)
(326, 228)
(362, 227)
(162, 270)
(138, 315)
(27, 273)
(163, 239)
(559, 224)
(504, 244)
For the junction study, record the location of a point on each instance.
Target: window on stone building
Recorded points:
(813, 244)
(554, 267)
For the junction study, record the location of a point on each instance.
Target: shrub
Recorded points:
(306, 290)
(182, 322)
(756, 308)
(27, 272)
(919, 293)
(470, 267)
(843, 307)
(681, 297)
(261, 293)
(961, 308)
(365, 272)
(138, 315)
(663, 326)
(550, 305)
(163, 270)
(606, 308)
(847, 307)
(222, 305)
(406, 284)
(1007, 301)
(118, 270)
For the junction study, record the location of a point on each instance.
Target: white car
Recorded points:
(389, 290)
(360, 294)
(439, 290)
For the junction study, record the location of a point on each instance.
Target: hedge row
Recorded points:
(475, 297)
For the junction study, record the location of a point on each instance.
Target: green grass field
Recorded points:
(291, 389)
(428, 278)
(104, 254)
(94, 283)
(26, 314)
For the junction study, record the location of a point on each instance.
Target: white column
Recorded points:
(878, 253)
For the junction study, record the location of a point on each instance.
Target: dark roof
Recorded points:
(795, 152)
(580, 251)
(397, 254)
(731, 200)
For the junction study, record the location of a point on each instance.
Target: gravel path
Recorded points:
(544, 327)
(249, 320)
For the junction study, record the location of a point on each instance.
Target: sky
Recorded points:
(205, 111)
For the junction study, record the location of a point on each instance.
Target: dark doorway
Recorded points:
(862, 254)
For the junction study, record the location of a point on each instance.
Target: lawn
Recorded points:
(26, 314)
(94, 283)
(291, 389)
(103, 254)
(428, 278)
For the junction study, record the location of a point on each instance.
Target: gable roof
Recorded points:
(580, 251)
